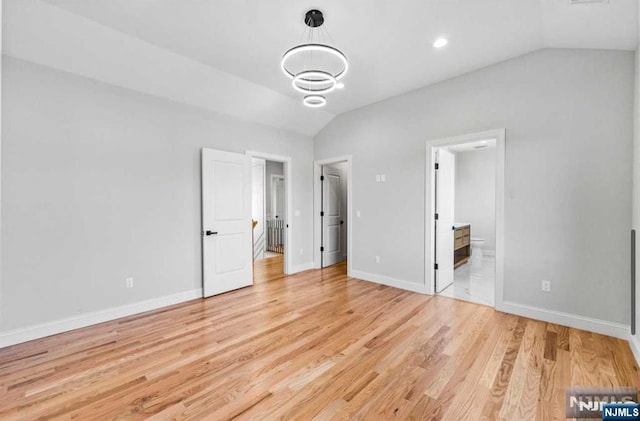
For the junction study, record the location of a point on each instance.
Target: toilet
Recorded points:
(476, 249)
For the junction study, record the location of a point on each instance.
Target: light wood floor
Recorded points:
(315, 345)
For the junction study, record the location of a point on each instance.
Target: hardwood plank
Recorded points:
(316, 345)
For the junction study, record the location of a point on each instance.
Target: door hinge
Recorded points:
(322, 178)
(435, 216)
(321, 248)
(321, 213)
(437, 166)
(435, 266)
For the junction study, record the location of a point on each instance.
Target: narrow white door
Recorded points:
(333, 217)
(278, 197)
(226, 221)
(258, 205)
(445, 195)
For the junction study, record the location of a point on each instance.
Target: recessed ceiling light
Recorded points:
(340, 85)
(440, 42)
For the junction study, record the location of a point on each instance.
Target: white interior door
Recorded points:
(333, 218)
(258, 204)
(226, 221)
(445, 207)
(277, 198)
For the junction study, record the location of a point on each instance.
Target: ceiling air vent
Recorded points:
(587, 1)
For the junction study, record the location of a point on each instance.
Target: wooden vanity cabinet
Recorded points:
(461, 245)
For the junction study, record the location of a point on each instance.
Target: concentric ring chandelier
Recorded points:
(315, 68)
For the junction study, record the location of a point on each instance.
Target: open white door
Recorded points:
(278, 197)
(333, 216)
(445, 196)
(258, 205)
(226, 221)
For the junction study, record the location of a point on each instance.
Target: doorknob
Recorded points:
(211, 232)
(341, 222)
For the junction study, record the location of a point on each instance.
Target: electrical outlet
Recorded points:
(301, 252)
(546, 286)
(378, 259)
(129, 282)
(358, 213)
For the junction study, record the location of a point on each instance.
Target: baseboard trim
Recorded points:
(603, 327)
(301, 268)
(388, 281)
(634, 344)
(16, 336)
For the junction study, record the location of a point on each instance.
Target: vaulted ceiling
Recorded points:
(388, 43)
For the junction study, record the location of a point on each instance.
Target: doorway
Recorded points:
(270, 204)
(332, 210)
(230, 215)
(465, 219)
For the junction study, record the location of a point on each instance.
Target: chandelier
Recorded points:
(315, 68)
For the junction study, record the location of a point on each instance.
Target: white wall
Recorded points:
(636, 192)
(476, 193)
(1, 58)
(568, 119)
(102, 183)
(273, 168)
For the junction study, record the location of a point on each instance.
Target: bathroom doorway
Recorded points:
(465, 220)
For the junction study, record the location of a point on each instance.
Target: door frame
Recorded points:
(317, 208)
(286, 163)
(432, 145)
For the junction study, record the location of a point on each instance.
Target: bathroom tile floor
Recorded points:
(474, 281)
